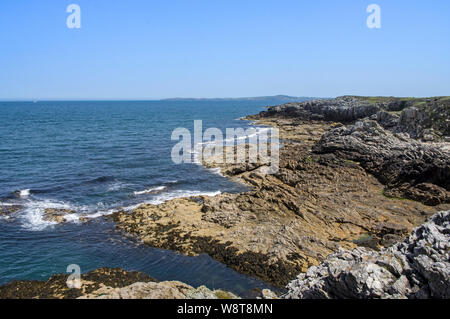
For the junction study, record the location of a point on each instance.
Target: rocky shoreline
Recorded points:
(356, 174)
(345, 168)
(416, 268)
(109, 283)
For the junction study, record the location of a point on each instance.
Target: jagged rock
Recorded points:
(387, 119)
(420, 118)
(343, 109)
(268, 294)
(419, 267)
(416, 170)
(159, 290)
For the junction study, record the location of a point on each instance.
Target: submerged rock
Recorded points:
(7, 210)
(57, 215)
(418, 267)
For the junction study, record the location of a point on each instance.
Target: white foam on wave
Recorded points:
(150, 190)
(172, 195)
(118, 186)
(24, 193)
(216, 170)
(180, 194)
(33, 210)
(6, 204)
(32, 213)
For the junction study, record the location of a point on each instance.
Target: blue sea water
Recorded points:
(95, 158)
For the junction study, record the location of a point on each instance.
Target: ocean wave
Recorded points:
(216, 170)
(150, 190)
(33, 213)
(101, 179)
(118, 185)
(173, 195)
(24, 192)
(180, 194)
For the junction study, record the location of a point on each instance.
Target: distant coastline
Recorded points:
(278, 98)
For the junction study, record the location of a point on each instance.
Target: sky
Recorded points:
(148, 49)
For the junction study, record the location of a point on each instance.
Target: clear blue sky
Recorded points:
(144, 49)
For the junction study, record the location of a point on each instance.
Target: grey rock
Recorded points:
(342, 109)
(405, 270)
(409, 168)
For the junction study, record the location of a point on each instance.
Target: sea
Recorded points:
(98, 157)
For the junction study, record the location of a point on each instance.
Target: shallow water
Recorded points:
(97, 157)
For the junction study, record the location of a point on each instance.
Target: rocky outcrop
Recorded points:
(419, 267)
(402, 141)
(421, 118)
(409, 168)
(57, 215)
(329, 193)
(342, 109)
(56, 287)
(107, 283)
(159, 290)
(289, 221)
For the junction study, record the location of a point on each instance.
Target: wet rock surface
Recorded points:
(418, 267)
(7, 210)
(57, 215)
(109, 283)
(56, 287)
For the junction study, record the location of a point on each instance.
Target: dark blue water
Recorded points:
(95, 158)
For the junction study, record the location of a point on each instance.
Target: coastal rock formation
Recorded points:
(159, 290)
(330, 191)
(386, 135)
(56, 287)
(289, 221)
(339, 161)
(107, 283)
(419, 267)
(409, 168)
(342, 109)
(420, 118)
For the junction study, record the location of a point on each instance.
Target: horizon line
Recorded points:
(153, 99)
